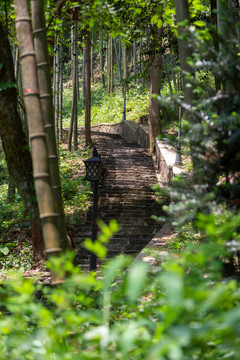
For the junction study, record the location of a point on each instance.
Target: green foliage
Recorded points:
(108, 108)
(75, 189)
(210, 202)
(180, 310)
(183, 309)
(15, 229)
(5, 86)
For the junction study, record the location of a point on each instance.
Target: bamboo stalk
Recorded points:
(44, 80)
(37, 134)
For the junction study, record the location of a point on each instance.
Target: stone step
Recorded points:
(127, 197)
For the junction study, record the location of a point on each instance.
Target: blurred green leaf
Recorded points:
(136, 279)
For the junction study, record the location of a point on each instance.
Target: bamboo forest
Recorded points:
(119, 179)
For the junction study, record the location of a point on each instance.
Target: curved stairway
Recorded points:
(127, 197)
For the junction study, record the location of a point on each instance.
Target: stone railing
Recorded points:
(134, 133)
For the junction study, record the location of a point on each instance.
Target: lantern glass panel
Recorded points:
(93, 168)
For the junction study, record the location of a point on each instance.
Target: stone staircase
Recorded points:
(127, 197)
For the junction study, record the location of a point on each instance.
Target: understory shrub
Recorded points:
(179, 310)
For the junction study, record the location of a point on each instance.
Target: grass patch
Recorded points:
(15, 227)
(76, 190)
(107, 108)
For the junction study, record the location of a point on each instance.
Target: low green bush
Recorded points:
(180, 310)
(15, 227)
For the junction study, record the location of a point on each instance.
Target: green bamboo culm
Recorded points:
(44, 81)
(37, 135)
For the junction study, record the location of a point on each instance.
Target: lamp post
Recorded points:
(96, 174)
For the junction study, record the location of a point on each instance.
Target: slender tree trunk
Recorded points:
(154, 119)
(226, 31)
(135, 62)
(172, 58)
(185, 51)
(83, 76)
(54, 70)
(88, 139)
(118, 57)
(41, 173)
(110, 65)
(125, 66)
(215, 39)
(142, 70)
(57, 78)
(11, 187)
(92, 60)
(61, 97)
(102, 58)
(125, 78)
(73, 89)
(75, 93)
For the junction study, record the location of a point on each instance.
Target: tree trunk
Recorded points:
(15, 143)
(57, 81)
(118, 57)
(125, 79)
(61, 97)
(110, 65)
(39, 254)
(215, 39)
(92, 60)
(74, 87)
(135, 62)
(41, 173)
(75, 91)
(102, 58)
(172, 58)
(54, 71)
(226, 32)
(154, 118)
(142, 70)
(125, 66)
(88, 139)
(83, 76)
(185, 51)
(43, 72)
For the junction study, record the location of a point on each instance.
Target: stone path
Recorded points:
(127, 197)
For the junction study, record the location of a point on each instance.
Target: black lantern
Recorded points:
(93, 168)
